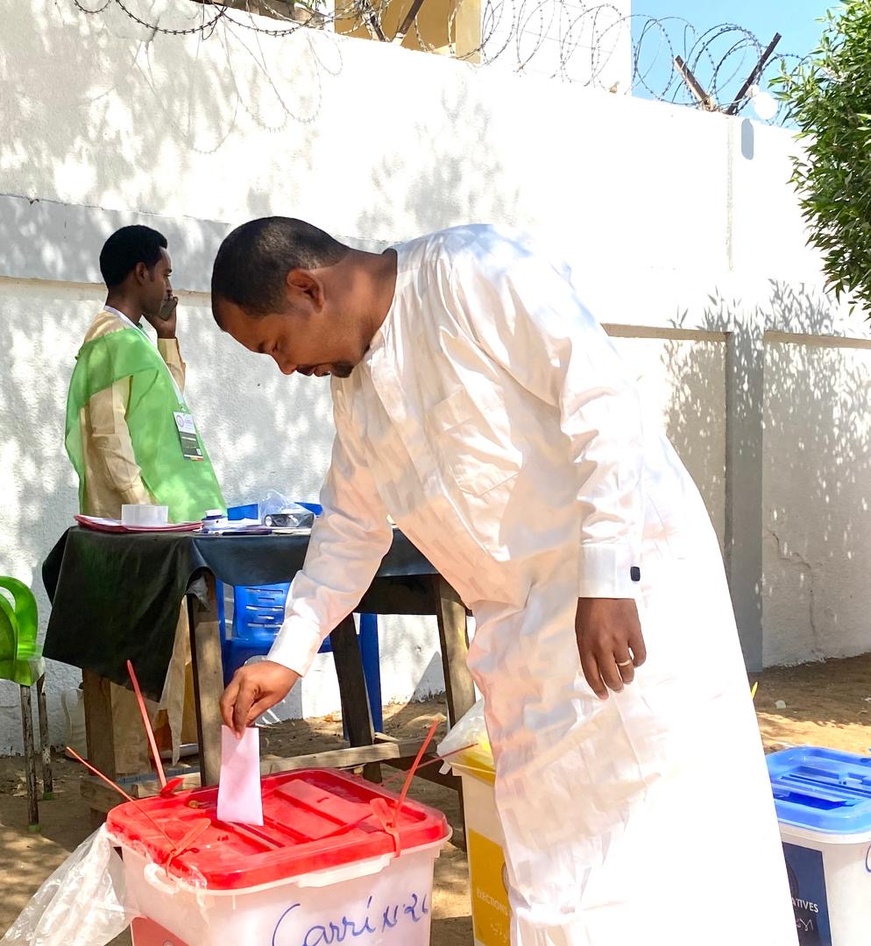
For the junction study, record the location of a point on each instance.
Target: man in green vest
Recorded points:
(131, 438)
(129, 432)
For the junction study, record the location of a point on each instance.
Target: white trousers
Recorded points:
(648, 817)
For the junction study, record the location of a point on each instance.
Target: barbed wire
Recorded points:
(597, 45)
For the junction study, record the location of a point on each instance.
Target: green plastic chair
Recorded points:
(21, 662)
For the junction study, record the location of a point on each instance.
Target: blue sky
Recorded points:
(795, 20)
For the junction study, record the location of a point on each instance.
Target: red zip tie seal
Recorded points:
(389, 817)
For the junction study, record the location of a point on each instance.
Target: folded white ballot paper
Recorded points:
(239, 798)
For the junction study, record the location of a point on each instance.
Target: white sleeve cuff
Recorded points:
(296, 644)
(608, 571)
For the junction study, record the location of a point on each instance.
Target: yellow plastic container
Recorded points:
(491, 912)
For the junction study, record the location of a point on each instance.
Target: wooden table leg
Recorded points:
(208, 680)
(451, 616)
(99, 728)
(459, 686)
(99, 731)
(356, 713)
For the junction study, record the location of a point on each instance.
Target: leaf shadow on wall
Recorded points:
(804, 375)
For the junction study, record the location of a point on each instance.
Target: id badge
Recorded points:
(187, 435)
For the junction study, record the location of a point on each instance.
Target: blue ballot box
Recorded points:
(823, 802)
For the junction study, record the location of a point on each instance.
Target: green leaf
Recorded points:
(828, 98)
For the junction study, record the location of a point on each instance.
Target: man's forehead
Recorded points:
(228, 313)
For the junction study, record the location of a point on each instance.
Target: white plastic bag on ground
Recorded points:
(81, 904)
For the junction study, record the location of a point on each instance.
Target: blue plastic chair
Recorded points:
(258, 613)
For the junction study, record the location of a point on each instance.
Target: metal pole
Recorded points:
(754, 76)
(694, 85)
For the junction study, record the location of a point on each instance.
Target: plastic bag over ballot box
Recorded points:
(81, 904)
(467, 745)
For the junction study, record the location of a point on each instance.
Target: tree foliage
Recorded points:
(829, 99)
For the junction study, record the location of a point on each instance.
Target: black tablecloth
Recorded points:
(117, 596)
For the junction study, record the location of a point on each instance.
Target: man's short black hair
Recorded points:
(254, 260)
(127, 247)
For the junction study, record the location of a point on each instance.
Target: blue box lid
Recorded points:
(822, 789)
(249, 511)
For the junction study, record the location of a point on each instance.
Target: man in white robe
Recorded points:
(479, 404)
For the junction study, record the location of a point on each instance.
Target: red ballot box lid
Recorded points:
(313, 819)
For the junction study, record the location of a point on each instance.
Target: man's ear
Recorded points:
(303, 285)
(140, 272)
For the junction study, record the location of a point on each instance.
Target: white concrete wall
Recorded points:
(680, 226)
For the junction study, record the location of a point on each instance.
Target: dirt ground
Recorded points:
(826, 704)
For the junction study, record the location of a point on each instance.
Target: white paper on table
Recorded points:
(239, 797)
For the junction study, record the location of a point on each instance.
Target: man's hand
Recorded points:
(165, 321)
(609, 642)
(253, 690)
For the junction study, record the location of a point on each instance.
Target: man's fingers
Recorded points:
(610, 643)
(236, 701)
(592, 675)
(228, 702)
(639, 651)
(252, 691)
(258, 707)
(626, 669)
(611, 673)
(245, 696)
